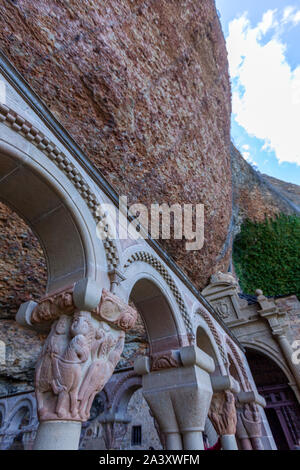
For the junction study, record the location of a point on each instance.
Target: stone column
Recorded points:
(114, 429)
(28, 439)
(222, 411)
(179, 397)
(250, 423)
(78, 358)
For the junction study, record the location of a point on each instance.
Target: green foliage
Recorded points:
(267, 256)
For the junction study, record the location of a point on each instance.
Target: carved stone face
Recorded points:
(62, 326)
(79, 326)
(68, 300)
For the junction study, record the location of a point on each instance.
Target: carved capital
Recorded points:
(52, 307)
(251, 420)
(222, 413)
(110, 309)
(115, 312)
(78, 358)
(165, 360)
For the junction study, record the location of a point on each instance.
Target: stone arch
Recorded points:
(282, 407)
(206, 342)
(151, 260)
(36, 182)
(217, 340)
(271, 354)
(125, 391)
(153, 298)
(236, 366)
(25, 406)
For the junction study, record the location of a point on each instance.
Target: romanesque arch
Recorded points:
(57, 216)
(282, 408)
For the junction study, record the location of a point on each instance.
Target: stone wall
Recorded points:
(139, 412)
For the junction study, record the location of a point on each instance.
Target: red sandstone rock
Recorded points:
(143, 87)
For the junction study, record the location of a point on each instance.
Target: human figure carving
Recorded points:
(69, 372)
(252, 422)
(222, 413)
(106, 352)
(45, 370)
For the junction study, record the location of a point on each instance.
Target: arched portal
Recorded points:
(283, 411)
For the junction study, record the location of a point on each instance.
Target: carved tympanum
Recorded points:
(79, 355)
(222, 413)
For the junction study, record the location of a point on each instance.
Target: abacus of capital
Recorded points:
(168, 391)
(87, 330)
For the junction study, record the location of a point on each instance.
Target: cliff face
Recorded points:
(257, 196)
(143, 88)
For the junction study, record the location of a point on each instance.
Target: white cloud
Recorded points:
(266, 90)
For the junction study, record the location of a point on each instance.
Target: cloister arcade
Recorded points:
(95, 288)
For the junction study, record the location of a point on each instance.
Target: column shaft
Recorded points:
(57, 435)
(193, 440)
(228, 442)
(173, 441)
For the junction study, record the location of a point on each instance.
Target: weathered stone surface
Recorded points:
(291, 191)
(143, 87)
(136, 344)
(22, 348)
(254, 196)
(23, 272)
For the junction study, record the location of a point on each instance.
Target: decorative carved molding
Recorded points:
(51, 307)
(22, 126)
(158, 266)
(111, 309)
(78, 357)
(115, 312)
(165, 360)
(222, 413)
(222, 308)
(239, 362)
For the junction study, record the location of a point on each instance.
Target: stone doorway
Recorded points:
(283, 410)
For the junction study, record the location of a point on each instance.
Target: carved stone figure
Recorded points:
(80, 353)
(222, 413)
(249, 425)
(165, 360)
(114, 311)
(52, 307)
(46, 366)
(68, 373)
(106, 349)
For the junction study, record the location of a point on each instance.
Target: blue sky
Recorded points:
(263, 44)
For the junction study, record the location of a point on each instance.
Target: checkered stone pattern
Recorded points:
(158, 266)
(214, 332)
(36, 137)
(239, 361)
